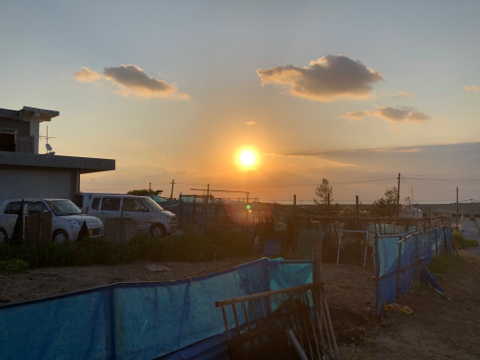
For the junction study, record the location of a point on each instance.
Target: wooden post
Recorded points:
(457, 209)
(328, 204)
(248, 214)
(171, 193)
(356, 208)
(294, 223)
(180, 212)
(445, 240)
(317, 260)
(399, 267)
(398, 194)
(416, 254)
(194, 211)
(206, 205)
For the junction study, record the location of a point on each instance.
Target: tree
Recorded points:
(387, 205)
(322, 191)
(144, 192)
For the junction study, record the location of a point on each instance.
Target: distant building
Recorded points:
(26, 173)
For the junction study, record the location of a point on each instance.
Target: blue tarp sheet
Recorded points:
(139, 320)
(428, 245)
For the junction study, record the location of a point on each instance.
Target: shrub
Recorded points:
(14, 265)
(188, 247)
(441, 264)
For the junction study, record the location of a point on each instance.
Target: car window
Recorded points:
(153, 205)
(95, 203)
(63, 207)
(133, 205)
(13, 207)
(111, 204)
(35, 207)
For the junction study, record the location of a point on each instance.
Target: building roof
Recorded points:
(45, 161)
(28, 113)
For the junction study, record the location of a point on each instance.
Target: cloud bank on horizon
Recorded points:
(326, 79)
(131, 80)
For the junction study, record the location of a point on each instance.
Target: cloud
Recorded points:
(326, 79)
(133, 80)
(472, 88)
(357, 115)
(85, 75)
(397, 114)
(403, 95)
(250, 123)
(320, 156)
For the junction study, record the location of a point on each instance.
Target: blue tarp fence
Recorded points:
(397, 258)
(175, 320)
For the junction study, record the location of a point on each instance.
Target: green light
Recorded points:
(248, 207)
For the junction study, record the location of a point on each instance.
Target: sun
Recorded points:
(247, 158)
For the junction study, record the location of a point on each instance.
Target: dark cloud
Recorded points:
(326, 79)
(401, 113)
(133, 80)
(397, 114)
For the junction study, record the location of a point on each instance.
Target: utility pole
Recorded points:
(150, 187)
(398, 194)
(171, 193)
(457, 208)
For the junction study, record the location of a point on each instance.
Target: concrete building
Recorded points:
(26, 173)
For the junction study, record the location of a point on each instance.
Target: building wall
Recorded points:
(22, 127)
(31, 182)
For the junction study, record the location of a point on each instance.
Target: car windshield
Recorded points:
(153, 205)
(63, 207)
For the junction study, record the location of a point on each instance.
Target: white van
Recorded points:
(151, 217)
(67, 219)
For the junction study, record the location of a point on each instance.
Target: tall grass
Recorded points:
(188, 247)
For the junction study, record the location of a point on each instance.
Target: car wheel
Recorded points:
(158, 231)
(3, 236)
(59, 236)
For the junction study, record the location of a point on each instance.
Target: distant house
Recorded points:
(26, 173)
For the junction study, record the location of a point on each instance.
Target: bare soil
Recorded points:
(439, 328)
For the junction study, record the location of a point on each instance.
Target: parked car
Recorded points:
(67, 219)
(151, 217)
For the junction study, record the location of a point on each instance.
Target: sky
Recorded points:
(355, 92)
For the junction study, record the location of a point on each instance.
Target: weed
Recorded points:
(13, 266)
(188, 247)
(441, 264)
(461, 242)
(358, 355)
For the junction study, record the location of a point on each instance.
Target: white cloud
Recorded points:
(85, 75)
(133, 80)
(403, 95)
(326, 79)
(472, 88)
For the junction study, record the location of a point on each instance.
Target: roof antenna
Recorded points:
(47, 145)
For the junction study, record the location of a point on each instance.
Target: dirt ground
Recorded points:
(439, 328)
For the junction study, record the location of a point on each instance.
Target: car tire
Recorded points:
(158, 231)
(59, 236)
(3, 236)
